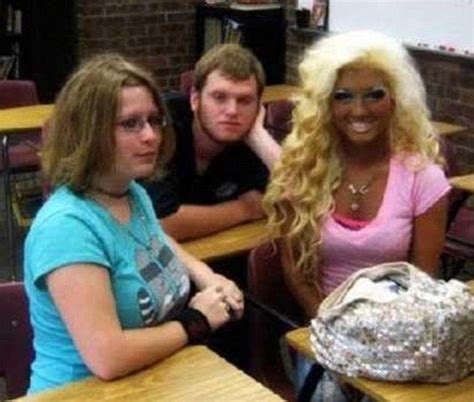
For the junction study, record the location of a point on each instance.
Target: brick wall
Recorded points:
(157, 33)
(449, 82)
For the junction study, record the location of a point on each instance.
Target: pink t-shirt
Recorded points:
(387, 237)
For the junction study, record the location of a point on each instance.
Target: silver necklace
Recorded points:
(357, 193)
(126, 228)
(147, 244)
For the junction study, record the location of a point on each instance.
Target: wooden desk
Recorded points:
(273, 93)
(193, 374)
(21, 119)
(465, 183)
(459, 391)
(233, 241)
(447, 128)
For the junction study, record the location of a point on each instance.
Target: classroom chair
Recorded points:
(19, 154)
(278, 118)
(459, 243)
(16, 339)
(272, 312)
(186, 82)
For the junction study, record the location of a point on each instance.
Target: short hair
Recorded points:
(311, 164)
(80, 141)
(231, 60)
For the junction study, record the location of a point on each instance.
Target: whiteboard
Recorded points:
(429, 23)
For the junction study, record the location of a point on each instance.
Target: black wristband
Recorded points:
(195, 325)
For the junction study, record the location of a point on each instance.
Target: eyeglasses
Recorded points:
(373, 95)
(135, 125)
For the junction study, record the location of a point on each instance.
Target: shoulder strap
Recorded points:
(310, 383)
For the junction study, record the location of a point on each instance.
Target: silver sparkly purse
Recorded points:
(394, 322)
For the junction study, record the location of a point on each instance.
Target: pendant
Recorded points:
(354, 206)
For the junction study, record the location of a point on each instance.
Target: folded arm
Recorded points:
(203, 277)
(192, 221)
(84, 298)
(83, 295)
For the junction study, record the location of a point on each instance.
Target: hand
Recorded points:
(251, 202)
(232, 295)
(211, 302)
(257, 128)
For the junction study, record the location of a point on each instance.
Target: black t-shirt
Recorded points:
(233, 172)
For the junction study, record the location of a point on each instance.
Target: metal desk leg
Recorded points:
(8, 207)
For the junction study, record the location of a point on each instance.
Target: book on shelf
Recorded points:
(212, 33)
(6, 65)
(255, 6)
(232, 31)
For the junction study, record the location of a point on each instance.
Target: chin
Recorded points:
(228, 138)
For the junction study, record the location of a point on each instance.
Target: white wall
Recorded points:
(435, 23)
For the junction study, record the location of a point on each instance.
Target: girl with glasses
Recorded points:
(108, 290)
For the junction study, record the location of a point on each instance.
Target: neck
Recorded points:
(205, 148)
(366, 156)
(110, 187)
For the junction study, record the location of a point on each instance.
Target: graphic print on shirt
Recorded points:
(166, 278)
(226, 191)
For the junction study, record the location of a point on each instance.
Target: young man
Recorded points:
(223, 152)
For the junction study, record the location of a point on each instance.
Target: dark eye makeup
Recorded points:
(372, 95)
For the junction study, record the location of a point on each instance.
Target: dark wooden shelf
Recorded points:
(262, 31)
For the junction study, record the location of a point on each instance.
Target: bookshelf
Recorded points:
(43, 38)
(11, 35)
(260, 29)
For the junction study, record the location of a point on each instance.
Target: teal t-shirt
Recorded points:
(149, 283)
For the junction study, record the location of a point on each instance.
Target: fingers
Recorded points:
(232, 297)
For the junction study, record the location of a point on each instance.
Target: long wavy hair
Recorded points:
(300, 194)
(80, 139)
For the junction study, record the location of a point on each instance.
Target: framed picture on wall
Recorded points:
(318, 10)
(319, 14)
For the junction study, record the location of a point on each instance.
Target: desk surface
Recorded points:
(460, 391)
(273, 93)
(229, 242)
(447, 128)
(25, 118)
(465, 183)
(194, 373)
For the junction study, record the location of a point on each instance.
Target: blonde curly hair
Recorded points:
(301, 191)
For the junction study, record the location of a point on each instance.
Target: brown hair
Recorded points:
(233, 61)
(80, 141)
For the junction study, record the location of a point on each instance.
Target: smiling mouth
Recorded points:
(360, 127)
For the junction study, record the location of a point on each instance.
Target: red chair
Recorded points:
(278, 118)
(186, 82)
(18, 155)
(459, 244)
(17, 93)
(272, 312)
(16, 339)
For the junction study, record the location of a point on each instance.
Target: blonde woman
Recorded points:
(108, 290)
(359, 181)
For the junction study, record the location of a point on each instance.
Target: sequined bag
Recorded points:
(394, 322)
